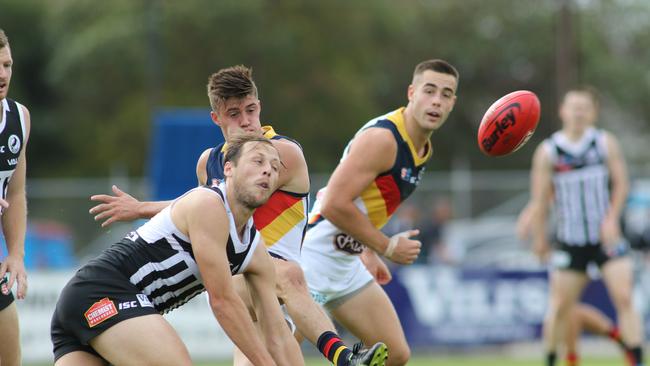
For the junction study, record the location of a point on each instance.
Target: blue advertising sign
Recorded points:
(178, 138)
(463, 307)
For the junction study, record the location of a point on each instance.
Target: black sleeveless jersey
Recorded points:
(12, 140)
(158, 259)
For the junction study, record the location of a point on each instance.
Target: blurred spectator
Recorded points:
(406, 218)
(434, 249)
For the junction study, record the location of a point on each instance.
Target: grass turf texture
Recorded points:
(466, 361)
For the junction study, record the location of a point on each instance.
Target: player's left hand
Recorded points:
(610, 231)
(16, 268)
(376, 266)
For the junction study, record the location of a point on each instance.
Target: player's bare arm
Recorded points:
(610, 228)
(260, 277)
(124, 207)
(541, 191)
(294, 175)
(372, 152)
(14, 221)
(202, 215)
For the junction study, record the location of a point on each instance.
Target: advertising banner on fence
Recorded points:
(463, 307)
(437, 306)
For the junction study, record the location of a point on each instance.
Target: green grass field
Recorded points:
(453, 361)
(467, 361)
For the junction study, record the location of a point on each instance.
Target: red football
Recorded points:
(509, 123)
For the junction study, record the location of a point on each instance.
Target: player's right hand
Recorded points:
(376, 266)
(407, 250)
(121, 207)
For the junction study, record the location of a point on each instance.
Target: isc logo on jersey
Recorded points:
(143, 301)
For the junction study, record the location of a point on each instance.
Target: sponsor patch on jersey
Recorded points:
(100, 311)
(348, 244)
(14, 144)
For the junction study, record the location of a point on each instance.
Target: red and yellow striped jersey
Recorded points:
(283, 219)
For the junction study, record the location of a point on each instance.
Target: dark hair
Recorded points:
(436, 65)
(4, 41)
(236, 81)
(591, 91)
(236, 145)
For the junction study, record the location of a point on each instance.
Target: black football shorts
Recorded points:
(95, 299)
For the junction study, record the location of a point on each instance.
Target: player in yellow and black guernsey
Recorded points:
(14, 132)
(380, 168)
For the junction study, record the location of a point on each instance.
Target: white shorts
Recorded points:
(332, 282)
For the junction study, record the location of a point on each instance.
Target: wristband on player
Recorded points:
(392, 244)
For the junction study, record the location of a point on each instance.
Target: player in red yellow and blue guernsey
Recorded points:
(281, 221)
(381, 166)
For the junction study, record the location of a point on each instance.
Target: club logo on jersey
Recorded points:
(14, 144)
(407, 175)
(144, 301)
(215, 182)
(100, 311)
(133, 236)
(348, 244)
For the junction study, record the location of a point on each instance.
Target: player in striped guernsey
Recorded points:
(14, 132)
(111, 309)
(281, 221)
(381, 166)
(582, 168)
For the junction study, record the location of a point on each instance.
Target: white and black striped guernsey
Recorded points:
(158, 259)
(12, 140)
(581, 184)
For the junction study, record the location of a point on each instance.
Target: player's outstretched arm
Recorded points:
(123, 207)
(260, 277)
(14, 221)
(372, 152)
(202, 215)
(541, 188)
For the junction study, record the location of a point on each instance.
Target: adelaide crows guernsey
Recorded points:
(158, 258)
(282, 220)
(581, 185)
(12, 140)
(378, 201)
